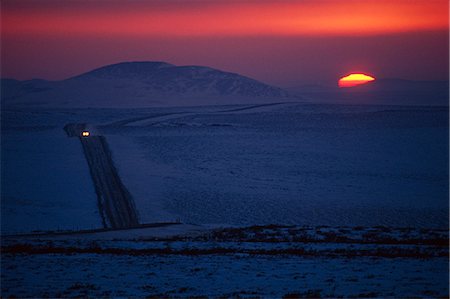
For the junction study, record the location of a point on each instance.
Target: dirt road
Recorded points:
(115, 202)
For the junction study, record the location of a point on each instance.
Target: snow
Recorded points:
(364, 171)
(239, 165)
(45, 183)
(246, 276)
(269, 261)
(142, 84)
(294, 164)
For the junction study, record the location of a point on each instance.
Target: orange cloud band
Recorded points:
(206, 18)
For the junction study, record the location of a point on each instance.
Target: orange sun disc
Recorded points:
(354, 80)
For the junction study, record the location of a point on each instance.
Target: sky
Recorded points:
(285, 43)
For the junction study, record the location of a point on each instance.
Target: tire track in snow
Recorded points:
(155, 119)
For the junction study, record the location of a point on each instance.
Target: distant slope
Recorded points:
(142, 84)
(381, 91)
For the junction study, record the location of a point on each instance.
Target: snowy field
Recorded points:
(289, 164)
(223, 276)
(45, 182)
(234, 165)
(268, 262)
(364, 188)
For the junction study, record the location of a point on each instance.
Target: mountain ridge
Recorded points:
(383, 91)
(142, 84)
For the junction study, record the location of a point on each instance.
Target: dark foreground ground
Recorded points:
(258, 261)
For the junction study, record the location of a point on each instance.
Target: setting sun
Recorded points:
(354, 80)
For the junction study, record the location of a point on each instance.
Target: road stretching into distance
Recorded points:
(115, 203)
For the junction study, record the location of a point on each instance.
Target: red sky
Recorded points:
(279, 42)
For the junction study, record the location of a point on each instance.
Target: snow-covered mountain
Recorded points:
(142, 84)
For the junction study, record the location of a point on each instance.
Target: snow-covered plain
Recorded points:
(45, 182)
(218, 276)
(365, 171)
(289, 164)
(234, 165)
(259, 261)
